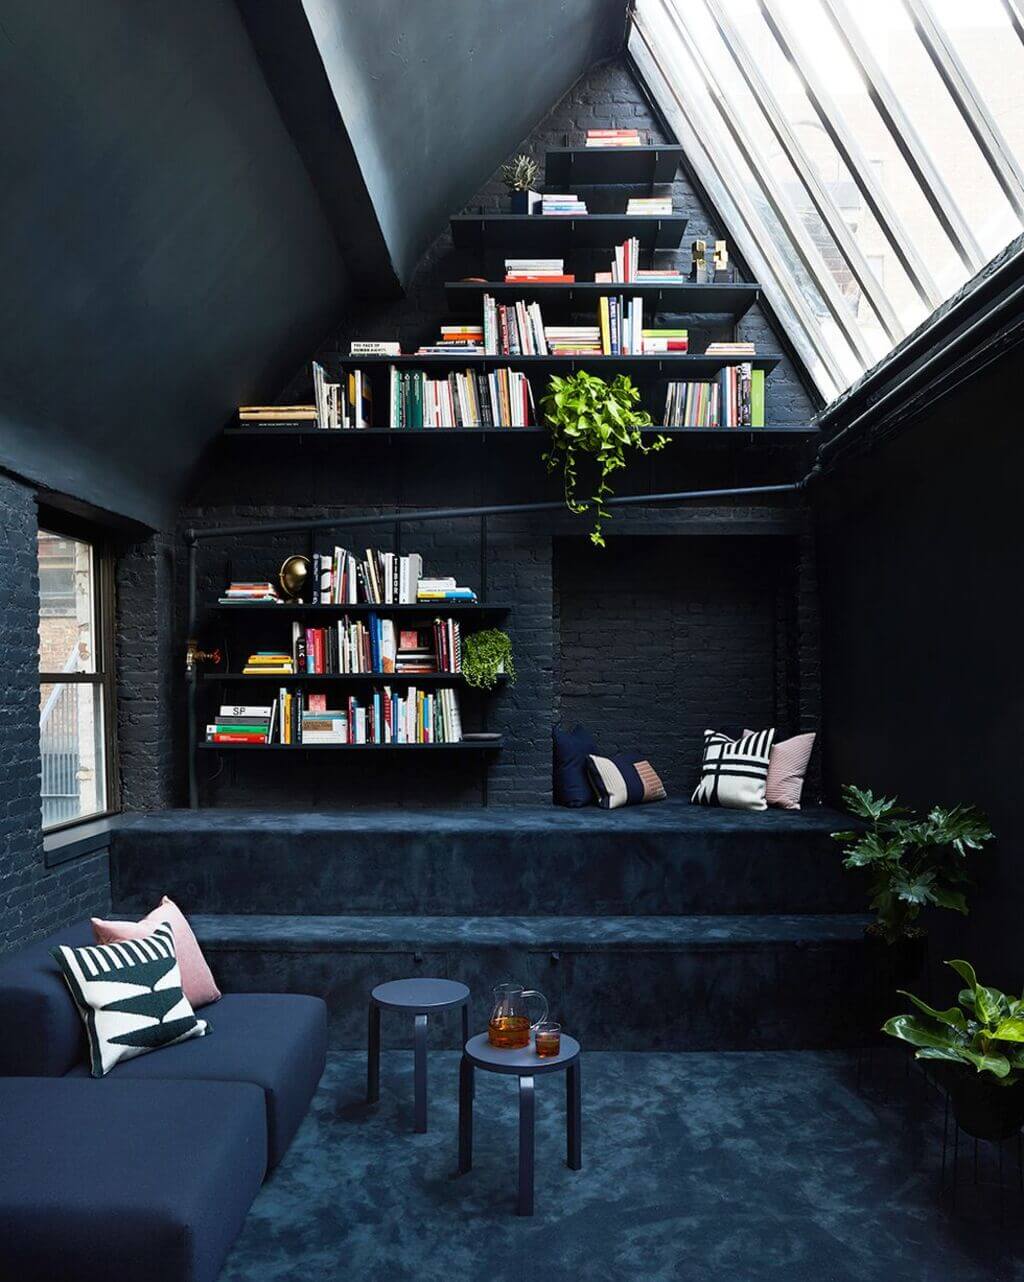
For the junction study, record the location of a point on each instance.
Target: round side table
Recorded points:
(525, 1064)
(420, 998)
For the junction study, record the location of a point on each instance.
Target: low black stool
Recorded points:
(421, 998)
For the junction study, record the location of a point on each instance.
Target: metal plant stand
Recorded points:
(525, 1064)
(420, 998)
(989, 1171)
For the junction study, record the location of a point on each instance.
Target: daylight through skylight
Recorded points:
(866, 155)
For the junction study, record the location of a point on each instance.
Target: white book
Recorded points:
(246, 710)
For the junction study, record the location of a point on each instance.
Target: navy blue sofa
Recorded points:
(150, 1171)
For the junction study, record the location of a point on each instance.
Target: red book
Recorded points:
(227, 737)
(513, 278)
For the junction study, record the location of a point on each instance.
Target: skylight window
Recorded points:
(866, 155)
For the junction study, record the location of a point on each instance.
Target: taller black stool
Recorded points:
(421, 998)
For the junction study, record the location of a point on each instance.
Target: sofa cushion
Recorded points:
(147, 1180)
(196, 978)
(276, 1040)
(41, 1033)
(129, 996)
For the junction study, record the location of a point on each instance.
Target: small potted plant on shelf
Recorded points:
(911, 862)
(592, 419)
(976, 1052)
(486, 656)
(519, 176)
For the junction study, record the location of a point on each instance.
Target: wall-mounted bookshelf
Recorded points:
(687, 299)
(592, 166)
(352, 678)
(506, 433)
(464, 745)
(681, 365)
(472, 609)
(536, 233)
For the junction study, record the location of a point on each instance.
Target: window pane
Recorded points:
(67, 640)
(71, 747)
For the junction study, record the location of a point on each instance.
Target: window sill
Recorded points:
(77, 840)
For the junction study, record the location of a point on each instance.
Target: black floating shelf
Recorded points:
(359, 678)
(473, 745)
(679, 365)
(363, 607)
(419, 434)
(685, 299)
(595, 166)
(538, 232)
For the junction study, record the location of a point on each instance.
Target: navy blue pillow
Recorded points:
(572, 748)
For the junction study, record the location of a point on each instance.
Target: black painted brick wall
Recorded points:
(263, 480)
(33, 900)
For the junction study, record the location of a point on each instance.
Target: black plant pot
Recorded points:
(520, 201)
(982, 1105)
(890, 967)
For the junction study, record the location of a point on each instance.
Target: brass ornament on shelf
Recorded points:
(194, 656)
(293, 576)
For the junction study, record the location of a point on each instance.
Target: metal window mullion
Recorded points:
(853, 157)
(745, 213)
(73, 678)
(806, 172)
(969, 103)
(910, 144)
(784, 211)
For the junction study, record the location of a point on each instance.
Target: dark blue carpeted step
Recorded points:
(641, 983)
(669, 858)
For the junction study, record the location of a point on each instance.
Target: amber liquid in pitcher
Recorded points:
(509, 1032)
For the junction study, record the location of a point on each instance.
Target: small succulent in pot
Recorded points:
(520, 174)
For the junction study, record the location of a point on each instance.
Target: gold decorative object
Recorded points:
(194, 656)
(721, 256)
(293, 576)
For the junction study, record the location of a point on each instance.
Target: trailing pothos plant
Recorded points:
(593, 419)
(911, 861)
(984, 1031)
(485, 656)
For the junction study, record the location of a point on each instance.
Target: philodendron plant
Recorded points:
(984, 1031)
(589, 417)
(911, 861)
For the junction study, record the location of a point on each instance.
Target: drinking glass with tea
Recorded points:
(509, 1027)
(547, 1040)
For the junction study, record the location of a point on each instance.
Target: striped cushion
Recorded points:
(735, 771)
(623, 781)
(129, 996)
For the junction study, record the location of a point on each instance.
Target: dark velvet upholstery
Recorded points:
(41, 1031)
(274, 1041)
(125, 1179)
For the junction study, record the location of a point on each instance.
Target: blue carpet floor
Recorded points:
(753, 1167)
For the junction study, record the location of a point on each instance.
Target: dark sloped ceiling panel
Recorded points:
(163, 253)
(433, 93)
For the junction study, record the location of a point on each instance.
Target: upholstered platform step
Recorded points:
(667, 982)
(672, 858)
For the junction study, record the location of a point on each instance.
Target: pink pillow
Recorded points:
(196, 980)
(787, 766)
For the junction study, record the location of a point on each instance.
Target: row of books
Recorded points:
(626, 268)
(376, 645)
(347, 404)
(469, 398)
(380, 578)
(622, 332)
(384, 717)
(513, 330)
(734, 398)
(613, 138)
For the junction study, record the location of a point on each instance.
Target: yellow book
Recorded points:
(604, 319)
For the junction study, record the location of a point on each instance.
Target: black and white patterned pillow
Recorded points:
(734, 772)
(129, 996)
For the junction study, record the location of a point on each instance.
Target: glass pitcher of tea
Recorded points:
(510, 1026)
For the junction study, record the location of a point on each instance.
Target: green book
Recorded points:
(416, 408)
(757, 398)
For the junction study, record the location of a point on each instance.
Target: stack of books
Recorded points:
(550, 271)
(613, 138)
(573, 340)
(472, 398)
(730, 349)
(650, 206)
(242, 590)
(513, 330)
(656, 341)
(374, 347)
(345, 647)
(323, 726)
(735, 398)
(444, 589)
(562, 204)
(298, 416)
(456, 340)
(427, 650)
(243, 723)
(268, 663)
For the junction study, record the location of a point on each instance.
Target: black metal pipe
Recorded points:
(193, 536)
(192, 680)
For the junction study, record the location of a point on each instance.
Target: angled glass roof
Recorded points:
(867, 156)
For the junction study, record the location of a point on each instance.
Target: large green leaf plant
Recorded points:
(592, 418)
(984, 1031)
(911, 861)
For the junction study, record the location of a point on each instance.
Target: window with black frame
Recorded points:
(76, 711)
